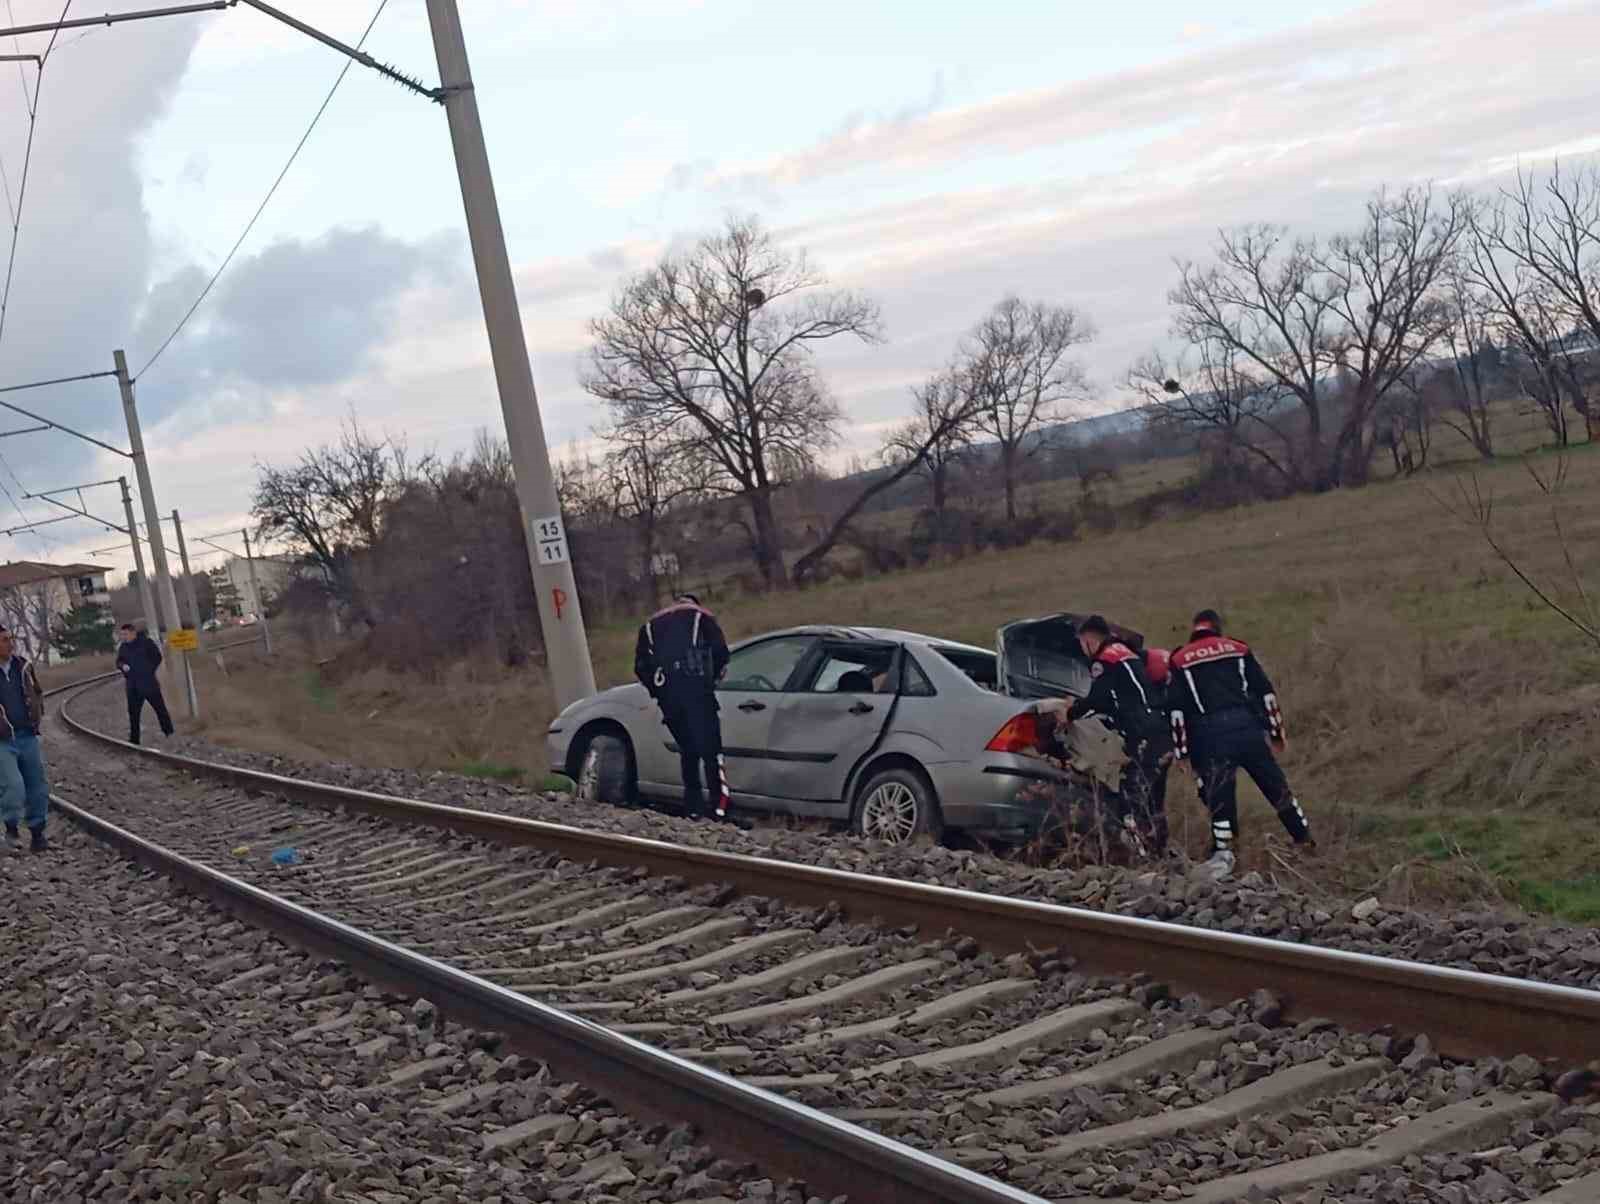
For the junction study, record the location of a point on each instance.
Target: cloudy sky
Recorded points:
(935, 155)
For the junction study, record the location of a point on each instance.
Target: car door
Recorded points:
(832, 716)
(748, 695)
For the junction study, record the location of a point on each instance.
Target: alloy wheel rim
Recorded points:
(890, 813)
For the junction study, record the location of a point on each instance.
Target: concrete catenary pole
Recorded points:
(194, 613)
(188, 577)
(147, 598)
(166, 598)
(560, 615)
(255, 595)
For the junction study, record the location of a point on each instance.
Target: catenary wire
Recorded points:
(16, 233)
(266, 200)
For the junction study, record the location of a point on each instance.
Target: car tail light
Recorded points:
(1019, 735)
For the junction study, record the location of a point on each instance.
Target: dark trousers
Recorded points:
(696, 729)
(136, 699)
(1217, 757)
(1144, 789)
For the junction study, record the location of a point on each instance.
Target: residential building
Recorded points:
(34, 595)
(273, 574)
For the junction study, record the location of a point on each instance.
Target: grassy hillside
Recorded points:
(1445, 725)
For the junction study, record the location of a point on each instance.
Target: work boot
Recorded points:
(1220, 865)
(40, 844)
(13, 839)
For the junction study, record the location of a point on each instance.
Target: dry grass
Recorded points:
(1445, 726)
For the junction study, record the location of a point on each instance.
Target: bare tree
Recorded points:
(1554, 233)
(1325, 329)
(715, 348)
(647, 481)
(29, 612)
(1523, 310)
(943, 422)
(1405, 419)
(1573, 601)
(936, 435)
(1016, 368)
(1213, 391)
(1464, 387)
(329, 506)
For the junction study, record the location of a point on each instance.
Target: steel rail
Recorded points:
(1465, 1013)
(780, 1135)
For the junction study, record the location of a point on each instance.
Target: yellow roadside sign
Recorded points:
(183, 640)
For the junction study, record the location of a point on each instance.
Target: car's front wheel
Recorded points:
(603, 770)
(897, 806)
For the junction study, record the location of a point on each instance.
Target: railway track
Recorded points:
(1070, 1054)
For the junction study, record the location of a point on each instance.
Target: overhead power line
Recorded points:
(16, 234)
(266, 200)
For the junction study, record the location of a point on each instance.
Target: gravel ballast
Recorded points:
(152, 1049)
(937, 1105)
(1484, 941)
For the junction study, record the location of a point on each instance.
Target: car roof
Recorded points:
(890, 634)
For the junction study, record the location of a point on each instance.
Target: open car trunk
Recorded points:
(1039, 660)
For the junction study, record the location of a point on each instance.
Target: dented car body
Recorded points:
(897, 733)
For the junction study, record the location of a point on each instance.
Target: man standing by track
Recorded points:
(679, 657)
(22, 782)
(139, 658)
(1225, 718)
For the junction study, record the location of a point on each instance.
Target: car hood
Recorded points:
(1040, 658)
(628, 694)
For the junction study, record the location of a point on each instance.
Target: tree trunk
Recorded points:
(647, 548)
(768, 539)
(807, 564)
(1008, 469)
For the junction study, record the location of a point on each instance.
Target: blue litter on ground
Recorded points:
(286, 856)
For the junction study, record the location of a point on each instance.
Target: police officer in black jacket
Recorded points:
(139, 658)
(679, 657)
(1122, 694)
(1225, 718)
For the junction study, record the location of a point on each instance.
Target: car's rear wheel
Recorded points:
(898, 806)
(603, 770)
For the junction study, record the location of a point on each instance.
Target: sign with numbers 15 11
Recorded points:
(551, 540)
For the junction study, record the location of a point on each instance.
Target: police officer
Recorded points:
(1122, 694)
(679, 657)
(1225, 718)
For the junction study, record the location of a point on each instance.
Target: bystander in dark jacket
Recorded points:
(139, 659)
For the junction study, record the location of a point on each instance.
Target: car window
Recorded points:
(979, 666)
(767, 666)
(914, 682)
(853, 670)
